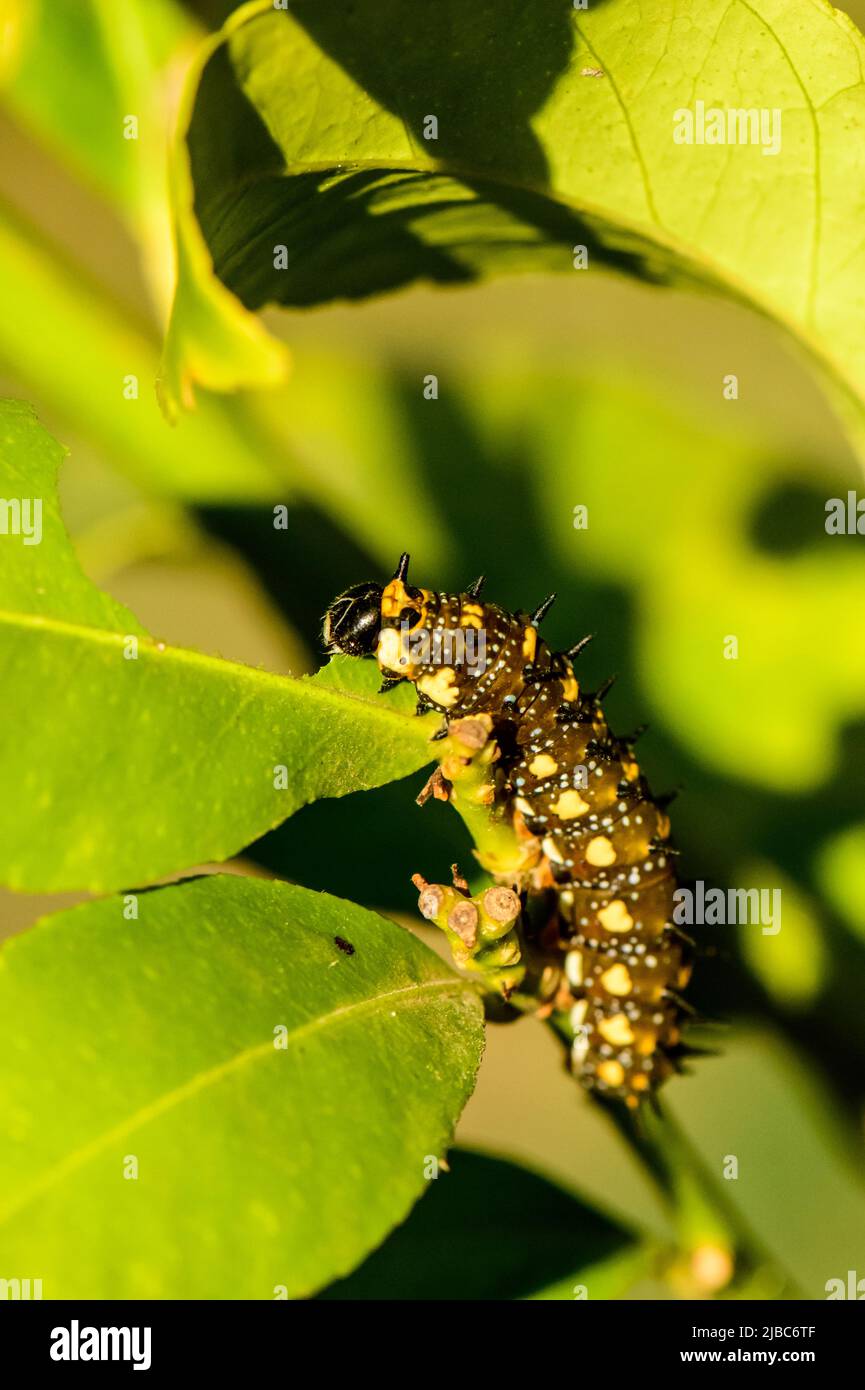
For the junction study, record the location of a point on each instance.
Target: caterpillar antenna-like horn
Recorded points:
(542, 609)
(474, 590)
(574, 651)
(606, 686)
(401, 571)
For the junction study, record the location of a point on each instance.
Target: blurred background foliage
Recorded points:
(705, 520)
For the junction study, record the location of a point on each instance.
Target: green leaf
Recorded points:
(555, 128)
(489, 1230)
(33, 584)
(213, 339)
(258, 1164)
(73, 348)
(130, 759)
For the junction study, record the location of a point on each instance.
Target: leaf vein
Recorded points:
(188, 1089)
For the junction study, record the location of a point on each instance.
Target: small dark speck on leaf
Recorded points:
(343, 945)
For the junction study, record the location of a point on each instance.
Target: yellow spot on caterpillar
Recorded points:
(440, 687)
(530, 643)
(646, 1045)
(600, 852)
(663, 825)
(631, 770)
(543, 765)
(640, 1082)
(683, 976)
(612, 1072)
(615, 917)
(631, 1102)
(570, 688)
(395, 598)
(471, 615)
(617, 980)
(616, 1030)
(390, 649)
(569, 804)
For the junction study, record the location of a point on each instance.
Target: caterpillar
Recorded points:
(568, 786)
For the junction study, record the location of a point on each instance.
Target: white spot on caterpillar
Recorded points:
(574, 967)
(578, 1014)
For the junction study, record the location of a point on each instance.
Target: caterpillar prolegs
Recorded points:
(593, 840)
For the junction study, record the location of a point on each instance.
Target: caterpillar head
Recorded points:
(352, 622)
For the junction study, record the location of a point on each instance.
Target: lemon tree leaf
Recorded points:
(129, 759)
(234, 1106)
(341, 150)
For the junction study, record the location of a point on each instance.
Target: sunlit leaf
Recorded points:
(378, 145)
(131, 759)
(234, 1105)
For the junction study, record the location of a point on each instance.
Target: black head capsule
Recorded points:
(353, 621)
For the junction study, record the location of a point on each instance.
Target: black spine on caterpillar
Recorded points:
(571, 783)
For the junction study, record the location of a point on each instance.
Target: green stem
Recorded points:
(467, 759)
(710, 1232)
